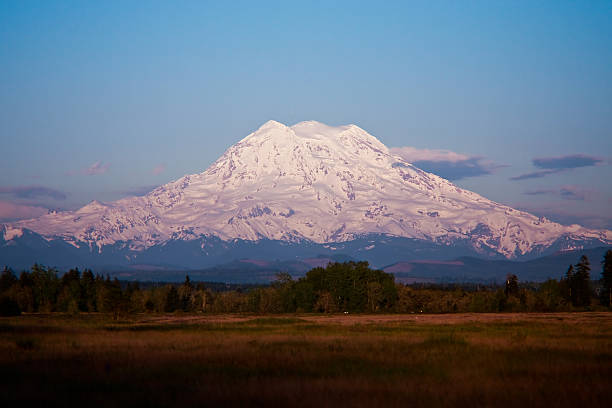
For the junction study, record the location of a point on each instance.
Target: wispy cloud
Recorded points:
(159, 169)
(541, 191)
(571, 161)
(95, 169)
(12, 211)
(535, 174)
(446, 163)
(567, 192)
(552, 165)
(30, 192)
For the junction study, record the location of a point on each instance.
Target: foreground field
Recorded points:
(308, 360)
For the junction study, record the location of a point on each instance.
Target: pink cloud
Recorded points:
(159, 169)
(446, 163)
(12, 211)
(96, 168)
(412, 154)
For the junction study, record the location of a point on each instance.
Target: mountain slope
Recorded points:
(305, 183)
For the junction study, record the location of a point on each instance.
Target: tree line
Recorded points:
(351, 287)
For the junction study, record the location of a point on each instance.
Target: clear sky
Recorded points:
(511, 99)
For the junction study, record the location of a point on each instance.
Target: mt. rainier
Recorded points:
(305, 186)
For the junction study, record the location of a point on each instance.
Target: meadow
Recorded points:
(506, 359)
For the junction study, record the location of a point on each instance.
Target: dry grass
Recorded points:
(308, 360)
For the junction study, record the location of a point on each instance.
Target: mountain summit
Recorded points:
(305, 184)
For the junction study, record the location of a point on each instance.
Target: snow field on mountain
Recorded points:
(309, 182)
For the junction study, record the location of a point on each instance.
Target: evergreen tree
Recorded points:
(88, 286)
(606, 274)
(71, 294)
(26, 293)
(7, 279)
(104, 301)
(101, 291)
(582, 279)
(185, 293)
(116, 299)
(172, 300)
(45, 287)
(569, 283)
(133, 297)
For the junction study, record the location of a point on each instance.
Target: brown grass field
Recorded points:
(497, 360)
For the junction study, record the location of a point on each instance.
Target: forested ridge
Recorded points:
(351, 287)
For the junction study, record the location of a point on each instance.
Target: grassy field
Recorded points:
(308, 360)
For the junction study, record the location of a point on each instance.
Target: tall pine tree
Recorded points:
(172, 300)
(606, 274)
(568, 287)
(582, 279)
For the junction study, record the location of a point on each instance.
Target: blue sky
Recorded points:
(512, 99)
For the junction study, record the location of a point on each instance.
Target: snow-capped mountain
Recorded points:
(308, 183)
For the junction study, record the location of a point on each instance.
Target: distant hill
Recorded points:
(239, 271)
(461, 269)
(469, 269)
